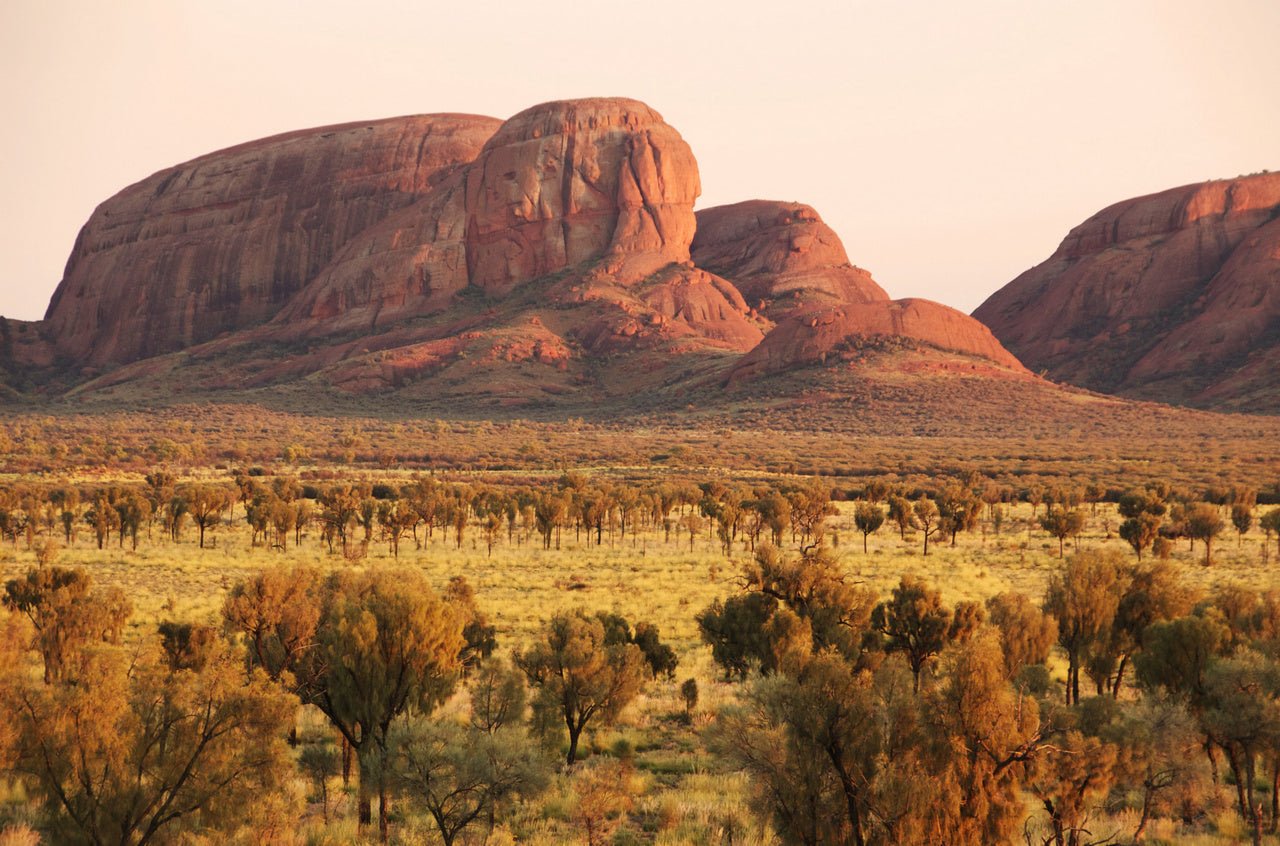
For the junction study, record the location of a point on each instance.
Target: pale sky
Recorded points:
(950, 144)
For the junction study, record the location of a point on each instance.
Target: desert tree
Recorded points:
(603, 796)
(868, 518)
(1062, 524)
(1241, 519)
(339, 509)
(1151, 594)
(1140, 531)
(926, 515)
(577, 677)
(980, 733)
(1242, 714)
(1270, 525)
(1027, 634)
(186, 645)
(498, 696)
(205, 504)
(549, 512)
(901, 514)
(275, 614)
(66, 503)
(102, 518)
(66, 615)
(959, 510)
(138, 751)
(1176, 656)
(809, 743)
(1071, 784)
(385, 644)
(1083, 596)
(461, 773)
(810, 507)
(479, 636)
(812, 585)
(1204, 523)
(689, 695)
(914, 622)
(1159, 744)
(735, 629)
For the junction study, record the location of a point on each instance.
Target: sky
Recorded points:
(951, 145)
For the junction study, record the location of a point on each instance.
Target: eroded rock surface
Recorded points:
(1174, 296)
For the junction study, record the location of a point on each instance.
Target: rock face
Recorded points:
(559, 185)
(449, 257)
(792, 268)
(821, 334)
(781, 256)
(1174, 296)
(222, 242)
(564, 183)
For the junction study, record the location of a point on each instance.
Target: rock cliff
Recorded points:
(1173, 296)
(224, 241)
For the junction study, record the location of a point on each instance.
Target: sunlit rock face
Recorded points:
(1174, 296)
(554, 254)
(224, 241)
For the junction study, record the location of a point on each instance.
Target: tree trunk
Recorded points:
(575, 731)
(1115, 690)
(384, 809)
(1242, 797)
(1213, 759)
(1275, 794)
(851, 805)
(364, 813)
(1141, 830)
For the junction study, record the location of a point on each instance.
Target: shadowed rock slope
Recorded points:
(1173, 297)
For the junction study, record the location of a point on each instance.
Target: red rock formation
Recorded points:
(222, 242)
(564, 183)
(781, 256)
(408, 265)
(817, 335)
(435, 256)
(1174, 296)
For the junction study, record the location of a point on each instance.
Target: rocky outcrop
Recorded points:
(26, 356)
(554, 255)
(824, 334)
(781, 256)
(410, 264)
(1174, 296)
(564, 183)
(222, 242)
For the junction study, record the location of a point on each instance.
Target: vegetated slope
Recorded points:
(551, 263)
(1173, 297)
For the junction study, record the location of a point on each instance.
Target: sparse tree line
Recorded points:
(188, 728)
(904, 720)
(860, 718)
(348, 517)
